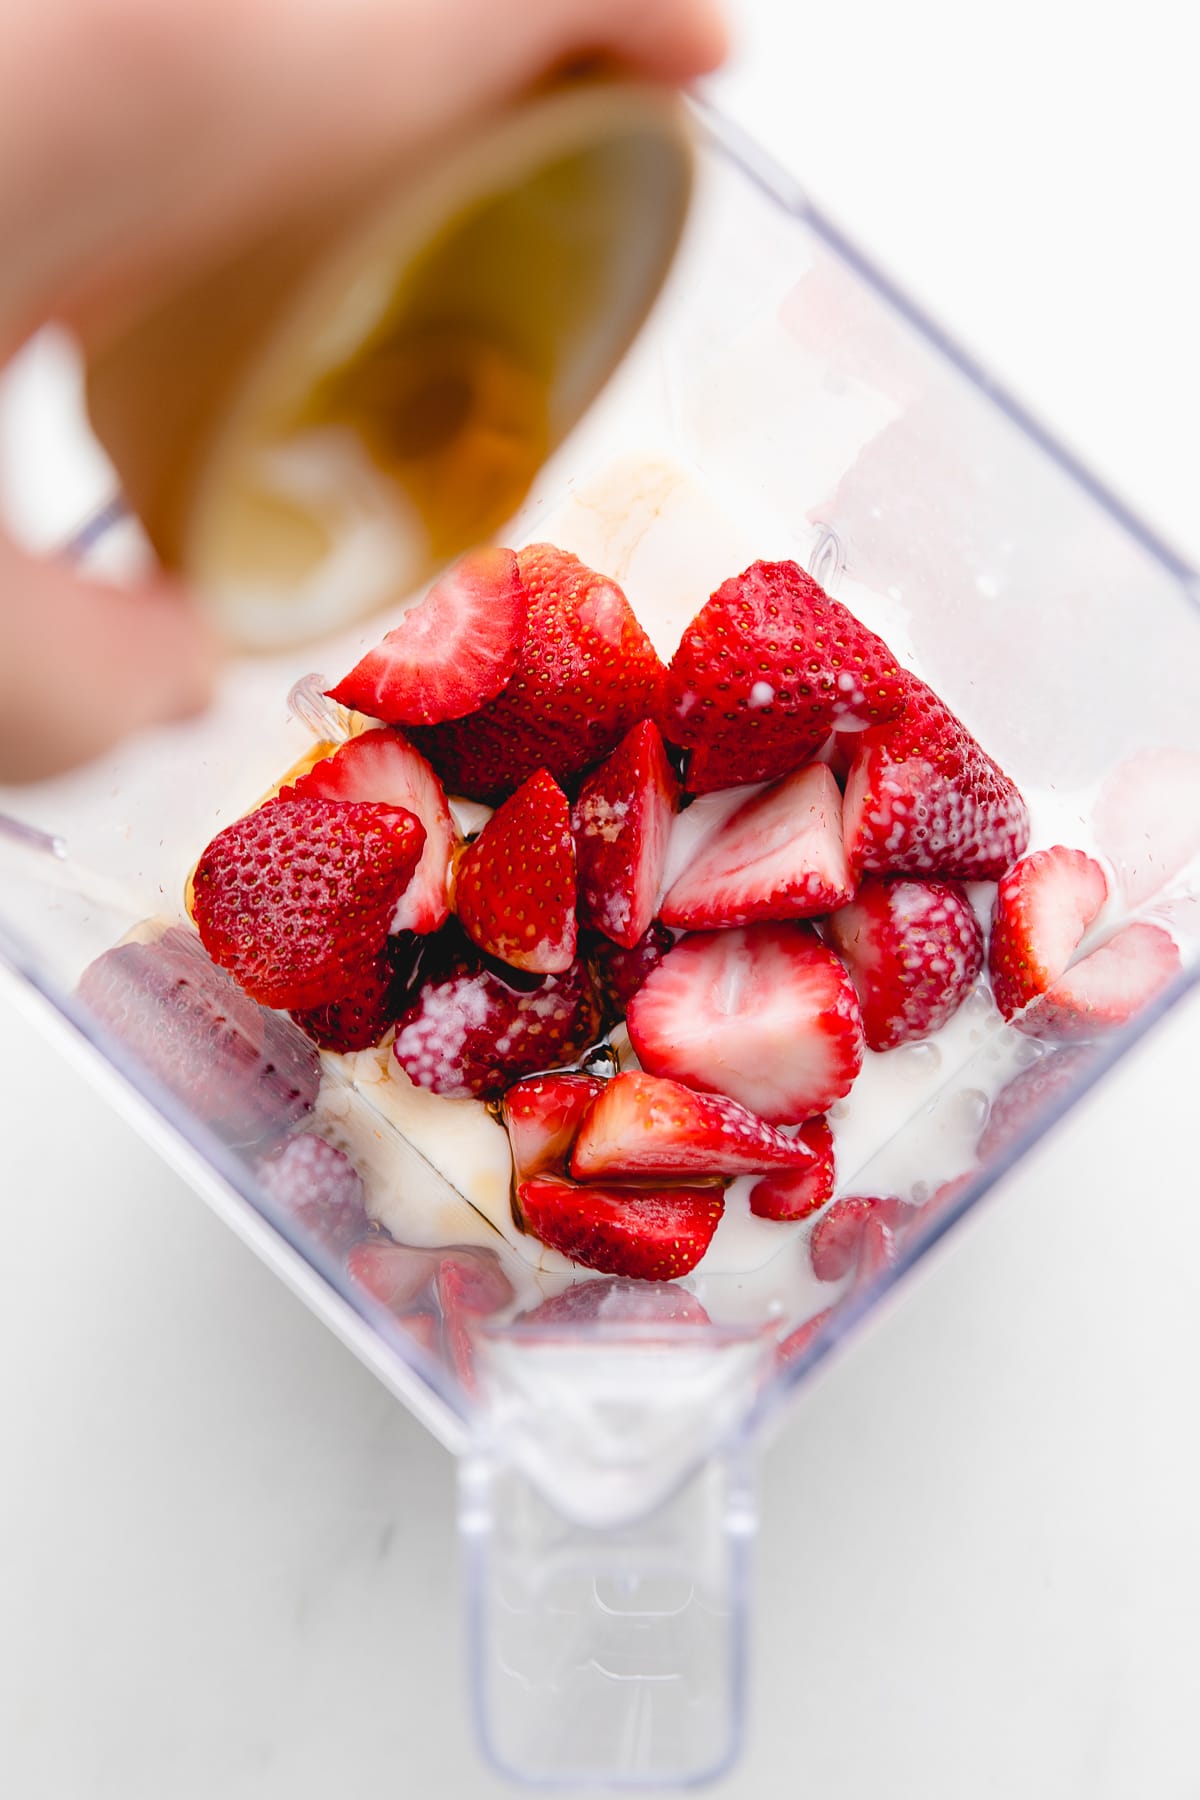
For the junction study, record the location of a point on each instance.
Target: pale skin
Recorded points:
(139, 139)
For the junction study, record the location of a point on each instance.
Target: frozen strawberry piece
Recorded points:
(542, 1116)
(765, 1014)
(451, 652)
(622, 820)
(1043, 907)
(855, 1228)
(923, 798)
(796, 1193)
(586, 672)
(1107, 988)
(645, 1233)
(469, 1032)
(913, 949)
(618, 972)
(780, 856)
(470, 1286)
(798, 1342)
(318, 1186)
(515, 888)
(765, 671)
(614, 1302)
(1031, 1095)
(246, 1073)
(381, 766)
(642, 1125)
(396, 1275)
(295, 900)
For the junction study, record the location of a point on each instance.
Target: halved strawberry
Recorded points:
(644, 1125)
(923, 798)
(470, 1032)
(359, 1020)
(613, 1302)
(764, 1014)
(247, 1073)
(382, 766)
(795, 1193)
(542, 1116)
(797, 1342)
(618, 972)
(1105, 990)
(858, 1225)
(397, 1275)
(765, 671)
(914, 949)
(451, 652)
(471, 1286)
(296, 899)
(1034, 1091)
(780, 856)
(621, 820)
(1043, 907)
(646, 1233)
(515, 888)
(585, 673)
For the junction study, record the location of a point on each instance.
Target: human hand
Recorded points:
(138, 141)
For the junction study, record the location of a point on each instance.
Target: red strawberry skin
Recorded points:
(586, 673)
(515, 890)
(1043, 907)
(780, 856)
(923, 798)
(296, 899)
(621, 820)
(646, 1234)
(914, 950)
(1107, 988)
(614, 1302)
(360, 1019)
(542, 1116)
(451, 652)
(318, 1186)
(1030, 1094)
(618, 972)
(765, 671)
(764, 1014)
(851, 1230)
(796, 1193)
(469, 1032)
(247, 1073)
(381, 766)
(643, 1125)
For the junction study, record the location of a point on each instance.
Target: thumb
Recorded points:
(83, 664)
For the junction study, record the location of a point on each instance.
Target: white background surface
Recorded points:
(227, 1559)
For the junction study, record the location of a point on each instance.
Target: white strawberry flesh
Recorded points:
(643, 1125)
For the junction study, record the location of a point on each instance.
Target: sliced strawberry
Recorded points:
(923, 798)
(382, 766)
(644, 1125)
(851, 1227)
(245, 1072)
(765, 671)
(1106, 989)
(618, 972)
(616, 1302)
(515, 889)
(542, 1116)
(780, 856)
(470, 1032)
(317, 1185)
(470, 1285)
(295, 900)
(622, 820)
(451, 652)
(1030, 1094)
(396, 1275)
(586, 672)
(764, 1014)
(645, 1233)
(1043, 907)
(795, 1193)
(797, 1342)
(914, 950)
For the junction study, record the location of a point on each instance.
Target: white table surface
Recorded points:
(227, 1558)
